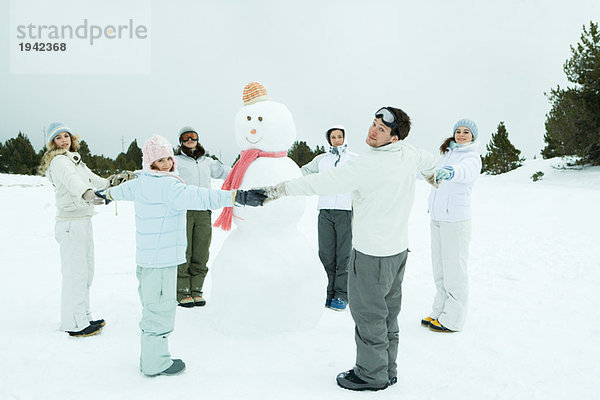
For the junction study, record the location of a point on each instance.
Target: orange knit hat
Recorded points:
(253, 93)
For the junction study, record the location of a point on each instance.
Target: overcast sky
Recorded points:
(330, 62)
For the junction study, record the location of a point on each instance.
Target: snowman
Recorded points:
(266, 277)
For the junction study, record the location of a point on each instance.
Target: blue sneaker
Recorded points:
(338, 304)
(327, 303)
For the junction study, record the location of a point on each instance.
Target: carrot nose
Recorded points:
(253, 131)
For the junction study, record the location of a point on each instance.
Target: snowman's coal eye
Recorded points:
(249, 117)
(260, 118)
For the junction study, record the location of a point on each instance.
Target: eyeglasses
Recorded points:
(189, 136)
(388, 117)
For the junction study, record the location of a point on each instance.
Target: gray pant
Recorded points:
(335, 244)
(375, 294)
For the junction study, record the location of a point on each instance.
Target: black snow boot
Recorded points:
(89, 331)
(176, 368)
(349, 380)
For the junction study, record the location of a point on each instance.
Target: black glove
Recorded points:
(102, 194)
(252, 197)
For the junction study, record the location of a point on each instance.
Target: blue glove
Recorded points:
(445, 173)
(102, 194)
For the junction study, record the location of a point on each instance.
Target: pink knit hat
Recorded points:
(155, 148)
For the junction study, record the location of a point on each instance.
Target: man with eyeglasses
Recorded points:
(382, 183)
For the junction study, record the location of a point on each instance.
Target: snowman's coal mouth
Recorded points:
(251, 142)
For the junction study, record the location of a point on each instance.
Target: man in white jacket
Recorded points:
(382, 186)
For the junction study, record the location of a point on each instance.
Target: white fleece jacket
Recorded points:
(382, 185)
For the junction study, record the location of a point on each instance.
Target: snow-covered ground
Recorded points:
(532, 331)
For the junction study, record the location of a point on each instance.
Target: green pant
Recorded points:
(191, 274)
(157, 294)
(375, 295)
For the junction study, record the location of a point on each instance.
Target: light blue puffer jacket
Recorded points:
(161, 201)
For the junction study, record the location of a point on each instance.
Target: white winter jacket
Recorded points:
(451, 202)
(198, 172)
(72, 178)
(382, 185)
(326, 161)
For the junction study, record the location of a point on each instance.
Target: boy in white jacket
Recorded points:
(382, 186)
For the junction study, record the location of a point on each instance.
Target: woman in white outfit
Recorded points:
(335, 221)
(450, 212)
(75, 199)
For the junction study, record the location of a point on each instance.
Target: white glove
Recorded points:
(431, 180)
(117, 179)
(275, 192)
(92, 198)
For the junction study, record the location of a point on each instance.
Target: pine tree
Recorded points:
(301, 153)
(130, 160)
(103, 166)
(100, 165)
(3, 166)
(122, 163)
(573, 123)
(319, 150)
(86, 155)
(19, 157)
(134, 153)
(501, 155)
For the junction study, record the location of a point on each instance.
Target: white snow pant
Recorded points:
(76, 241)
(449, 256)
(158, 294)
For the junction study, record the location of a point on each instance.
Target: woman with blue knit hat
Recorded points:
(335, 221)
(75, 185)
(450, 212)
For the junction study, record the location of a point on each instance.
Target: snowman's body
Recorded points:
(267, 277)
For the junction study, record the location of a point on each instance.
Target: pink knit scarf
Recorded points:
(235, 177)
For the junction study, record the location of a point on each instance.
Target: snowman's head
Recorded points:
(266, 125)
(263, 124)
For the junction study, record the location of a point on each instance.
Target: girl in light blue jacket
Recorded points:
(161, 200)
(450, 212)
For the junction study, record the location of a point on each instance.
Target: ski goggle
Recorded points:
(193, 136)
(388, 117)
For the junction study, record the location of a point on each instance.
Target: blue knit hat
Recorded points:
(54, 129)
(469, 124)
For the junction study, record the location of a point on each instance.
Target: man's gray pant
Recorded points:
(335, 244)
(375, 294)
